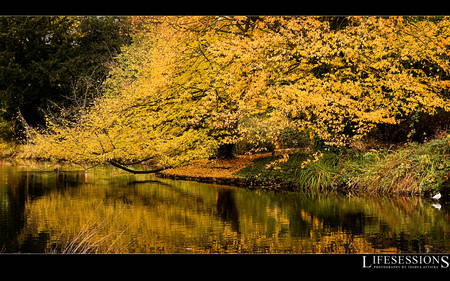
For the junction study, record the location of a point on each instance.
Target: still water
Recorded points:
(106, 210)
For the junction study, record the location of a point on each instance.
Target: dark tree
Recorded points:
(52, 60)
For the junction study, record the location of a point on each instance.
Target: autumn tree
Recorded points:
(340, 84)
(190, 86)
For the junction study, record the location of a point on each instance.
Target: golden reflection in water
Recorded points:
(108, 212)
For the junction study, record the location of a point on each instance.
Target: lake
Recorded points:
(106, 210)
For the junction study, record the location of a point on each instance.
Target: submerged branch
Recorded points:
(115, 164)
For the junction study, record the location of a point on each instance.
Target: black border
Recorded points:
(230, 7)
(205, 266)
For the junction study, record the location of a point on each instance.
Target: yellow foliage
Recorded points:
(185, 85)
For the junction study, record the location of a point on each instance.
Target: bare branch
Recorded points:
(117, 165)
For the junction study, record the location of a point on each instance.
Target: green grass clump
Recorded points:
(319, 174)
(413, 169)
(300, 170)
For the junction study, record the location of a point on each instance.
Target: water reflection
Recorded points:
(226, 208)
(107, 211)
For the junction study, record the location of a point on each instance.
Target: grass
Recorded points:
(320, 174)
(413, 169)
(300, 169)
(93, 237)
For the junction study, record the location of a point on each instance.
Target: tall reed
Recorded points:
(414, 169)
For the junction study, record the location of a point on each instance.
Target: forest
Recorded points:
(355, 103)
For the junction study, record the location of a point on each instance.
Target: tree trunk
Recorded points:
(225, 151)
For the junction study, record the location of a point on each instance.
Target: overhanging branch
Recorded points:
(115, 164)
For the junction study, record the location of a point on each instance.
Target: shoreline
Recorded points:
(231, 181)
(411, 170)
(414, 169)
(221, 171)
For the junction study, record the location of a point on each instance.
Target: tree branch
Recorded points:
(117, 165)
